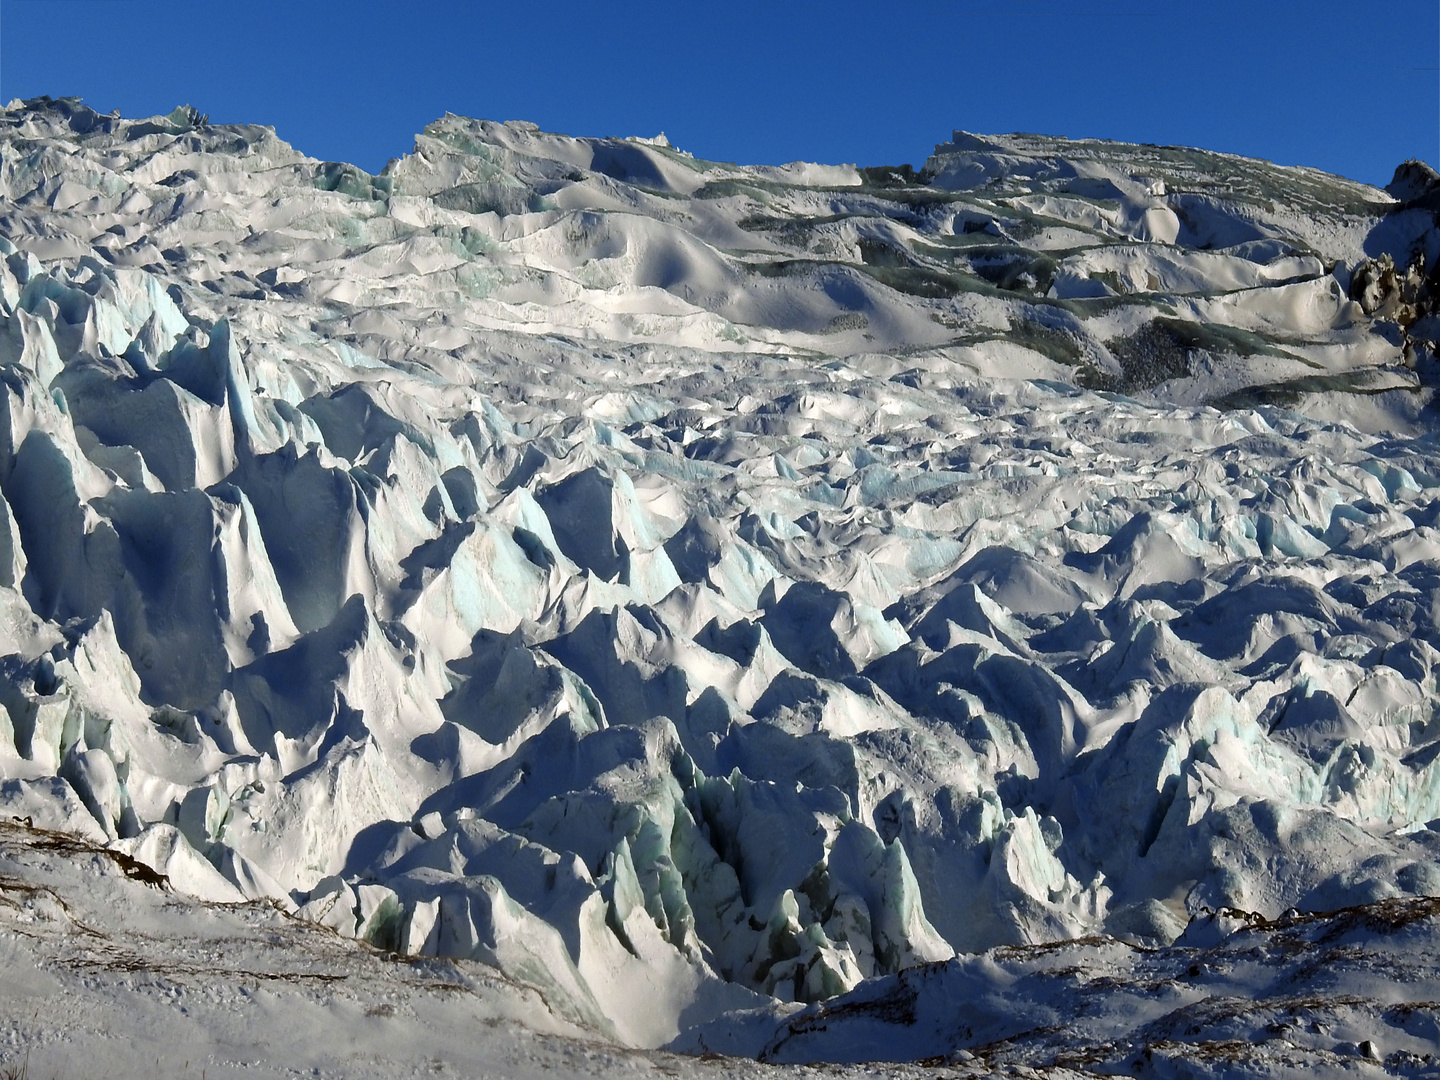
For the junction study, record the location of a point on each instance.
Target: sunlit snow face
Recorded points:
(687, 586)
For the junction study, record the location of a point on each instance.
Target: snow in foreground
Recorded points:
(696, 591)
(102, 963)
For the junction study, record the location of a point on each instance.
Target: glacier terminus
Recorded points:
(562, 606)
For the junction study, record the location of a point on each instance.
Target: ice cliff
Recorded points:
(695, 588)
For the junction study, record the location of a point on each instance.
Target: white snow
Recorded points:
(694, 590)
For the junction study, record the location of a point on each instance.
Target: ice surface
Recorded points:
(695, 590)
(1236, 996)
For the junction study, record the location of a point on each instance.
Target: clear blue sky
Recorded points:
(1346, 86)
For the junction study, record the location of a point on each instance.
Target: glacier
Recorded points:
(724, 598)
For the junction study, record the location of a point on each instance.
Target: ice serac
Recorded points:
(701, 591)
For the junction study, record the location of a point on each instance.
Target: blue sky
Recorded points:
(1349, 87)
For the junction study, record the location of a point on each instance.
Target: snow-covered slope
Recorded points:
(1350, 992)
(692, 588)
(106, 971)
(103, 963)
